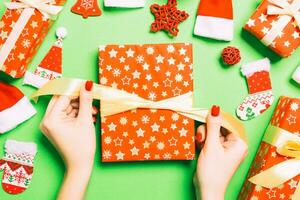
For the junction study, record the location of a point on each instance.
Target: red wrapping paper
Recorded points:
(287, 117)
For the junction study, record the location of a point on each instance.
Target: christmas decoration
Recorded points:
(124, 4)
(215, 20)
(167, 17)
(22, 29)
(260, 96)
(296, 75)
(86, 8)
(231, 55)
(17, 164)
(275, 171)
(276, 24)
(145, 134)
(15, 108)
(51, 66)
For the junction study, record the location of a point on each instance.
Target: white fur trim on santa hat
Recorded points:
(15, 115)
(125, 3)
(16, 147)
(256, 66)
(34, 80)
(214, 27)
(296, 75)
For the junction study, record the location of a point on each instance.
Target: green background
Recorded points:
(214, 84)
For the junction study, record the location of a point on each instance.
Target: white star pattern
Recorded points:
(146, 145)
(159, 59)
(134, 151)
(293, 184)
(287, 43)
(251, 22)
(112, 127)
(294, 106)
(140, 132)
(265, 30)
(113, 53)
(291, 119)
(171, 61)
(120, 155)
(170, 48)
(183, 132)
(153, 74)
(160, 145)
(182, 51)
(262, 18)
(136, 74)
(130, 53)
(155, 127)
(296, 35)
(180, 67)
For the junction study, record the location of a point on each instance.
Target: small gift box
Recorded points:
(156, 73)
(276, 24)
(22, 30)
(276, 168)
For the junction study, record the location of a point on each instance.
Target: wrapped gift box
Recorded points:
(275, 26)
(287, 118)
(154, 72)
(21, 33)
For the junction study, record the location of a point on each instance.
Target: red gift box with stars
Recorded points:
(286, 117)
(154, 72)
(22, 31)
(275, 26)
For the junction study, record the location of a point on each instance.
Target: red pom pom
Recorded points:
(231, 55)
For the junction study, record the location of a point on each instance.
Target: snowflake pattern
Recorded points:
(260, 24)
(286, 116)
(147, 134)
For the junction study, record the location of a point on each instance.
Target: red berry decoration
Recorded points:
(231, 55)
(167, 17)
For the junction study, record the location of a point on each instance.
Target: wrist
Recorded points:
(83, 171)
(216, 194)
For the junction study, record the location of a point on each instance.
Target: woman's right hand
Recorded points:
(219, 158)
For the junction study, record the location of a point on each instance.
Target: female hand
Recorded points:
(68, 124)
(219, 158)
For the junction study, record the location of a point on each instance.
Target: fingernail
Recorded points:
(198, 137)
(89, 85)
(215, 111)
(95, 109)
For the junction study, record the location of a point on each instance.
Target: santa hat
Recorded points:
(296, 75)
(15, 108)
(125, 3)
(215, 19)
(51, 66)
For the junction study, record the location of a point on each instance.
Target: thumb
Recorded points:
(213, 128)
(86, 102)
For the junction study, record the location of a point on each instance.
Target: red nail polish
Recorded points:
(215, 111)
(89, 85)
(198, 138)
(95, 109)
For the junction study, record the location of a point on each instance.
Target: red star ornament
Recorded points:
(167, 17)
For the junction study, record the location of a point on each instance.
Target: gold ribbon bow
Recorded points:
(114, 101)
(286, 12)
(288, 145)
(46, 7)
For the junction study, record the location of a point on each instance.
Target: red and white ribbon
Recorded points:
(46, 7)
(286, 12)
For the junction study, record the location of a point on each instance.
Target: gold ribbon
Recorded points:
(286, 12)
(46, 7)
(114, 101)
(288, 144)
